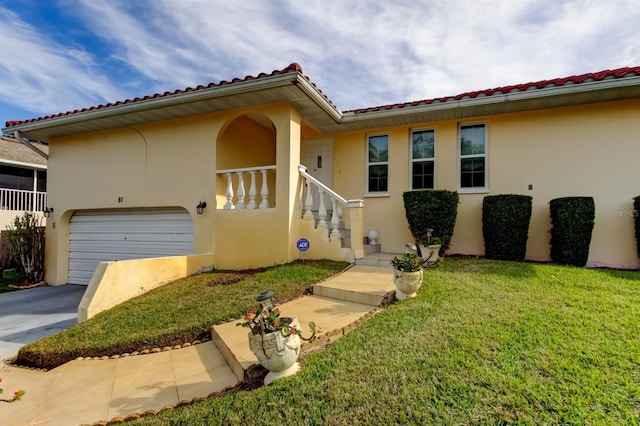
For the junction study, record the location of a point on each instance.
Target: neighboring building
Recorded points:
(126, 179)
(23, 180)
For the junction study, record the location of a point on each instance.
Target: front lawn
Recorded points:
(485, 342)
(179, 312)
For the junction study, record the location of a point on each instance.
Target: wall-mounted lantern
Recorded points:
(201, 206)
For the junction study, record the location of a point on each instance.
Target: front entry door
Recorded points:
(317, 157)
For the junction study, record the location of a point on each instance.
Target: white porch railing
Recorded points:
(355, 208)
(336, 202)
(21, 200)
(237, 197)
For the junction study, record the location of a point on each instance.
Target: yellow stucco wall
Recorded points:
(589, 150)
(112, 282)
(173, 164)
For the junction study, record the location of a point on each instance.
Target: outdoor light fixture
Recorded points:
(200, 207)
(266, 299)
(47, 211)
(429, 231)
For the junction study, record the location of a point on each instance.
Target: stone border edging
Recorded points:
(255, 374)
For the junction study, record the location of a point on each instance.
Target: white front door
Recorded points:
(317, 157)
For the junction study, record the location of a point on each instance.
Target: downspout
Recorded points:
(30, 145)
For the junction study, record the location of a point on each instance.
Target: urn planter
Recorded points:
(430, 253)
(407, 283)
(277, 352)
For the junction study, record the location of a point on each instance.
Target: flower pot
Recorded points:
(430, 253)
(276, 352)
(407, 283)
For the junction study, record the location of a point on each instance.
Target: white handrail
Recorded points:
(246, 169)
(303, 171)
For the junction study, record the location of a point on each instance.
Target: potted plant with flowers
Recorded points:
(407, 274)
(274, 339)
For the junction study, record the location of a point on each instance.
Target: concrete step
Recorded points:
(377, 259)
(368, 285)
(328, 314)
(336, 303)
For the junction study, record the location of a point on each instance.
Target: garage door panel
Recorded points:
(113, 247)
(139, 226)
(99, 236)
(132, 237)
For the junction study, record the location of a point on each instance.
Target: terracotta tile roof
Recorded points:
(11, 149)
(292, 68)
(296, 68)
(543, 84)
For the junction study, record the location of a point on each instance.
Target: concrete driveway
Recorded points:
(28, 315)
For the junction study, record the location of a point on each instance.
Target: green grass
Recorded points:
(179, 312)
(485, 342)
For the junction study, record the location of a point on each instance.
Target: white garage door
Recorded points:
(99, 236)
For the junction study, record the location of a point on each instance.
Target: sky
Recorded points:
(60, 55)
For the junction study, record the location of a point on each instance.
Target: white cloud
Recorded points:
(360, 53)
(43, 76)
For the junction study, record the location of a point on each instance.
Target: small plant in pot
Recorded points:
(274, 339)
(430, 247)
(407, 275)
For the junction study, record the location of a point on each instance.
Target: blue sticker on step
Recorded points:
(303, 244)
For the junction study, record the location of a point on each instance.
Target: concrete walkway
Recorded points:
(90, 391)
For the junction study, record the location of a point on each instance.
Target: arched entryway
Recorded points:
(245, 162)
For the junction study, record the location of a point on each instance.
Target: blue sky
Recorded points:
(60, 55)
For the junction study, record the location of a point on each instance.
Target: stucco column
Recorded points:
(356, 219)
(287, 160)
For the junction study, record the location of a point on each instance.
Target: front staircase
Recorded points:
(336, 305)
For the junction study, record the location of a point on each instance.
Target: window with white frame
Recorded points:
(422, 159)
(473, 156)
(378, 163)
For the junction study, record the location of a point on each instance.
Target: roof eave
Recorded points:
(168, 106)
(482, 105)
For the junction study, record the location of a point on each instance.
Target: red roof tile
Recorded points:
(292, 68)
(296, 68)
(576, 79)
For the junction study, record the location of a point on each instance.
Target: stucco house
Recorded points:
(23, 180)
(238, 172)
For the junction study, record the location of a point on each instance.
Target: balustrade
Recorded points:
(21, 200)
(236, 197)
(324, 193)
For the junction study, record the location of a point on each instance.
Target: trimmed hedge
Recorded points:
(572, 220)
(636, 221)
(435, 209)
(505, 226)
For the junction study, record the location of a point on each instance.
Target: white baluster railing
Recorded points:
(239, 202)
(21, 200)
(355, 208)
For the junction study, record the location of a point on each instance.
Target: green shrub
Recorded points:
(26, 234)
(636, 221)
(505, 226)
(435, 209)
(572, 220)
